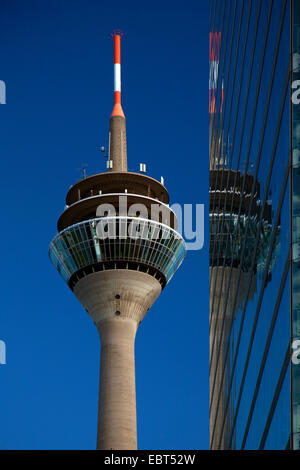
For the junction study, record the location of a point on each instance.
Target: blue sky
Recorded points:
(57, 62)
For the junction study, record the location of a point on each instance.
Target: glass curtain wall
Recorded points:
(250, 275)
(296, 215)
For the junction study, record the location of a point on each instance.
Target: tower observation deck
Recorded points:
(117, 247)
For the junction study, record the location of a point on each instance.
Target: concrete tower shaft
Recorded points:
(117, 144)
(117, 301)
(239, 233)
(227, 294)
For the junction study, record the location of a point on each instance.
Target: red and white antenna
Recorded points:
(117, 110)
(117, 147)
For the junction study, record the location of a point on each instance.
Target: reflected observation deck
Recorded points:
(240, 233)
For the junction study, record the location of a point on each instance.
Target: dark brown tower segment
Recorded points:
(117, 144)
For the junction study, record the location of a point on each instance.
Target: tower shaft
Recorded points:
(117, 144)
(227, 294)
(117, 301)
(117, 427)
(220, 325)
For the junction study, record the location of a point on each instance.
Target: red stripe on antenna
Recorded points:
(214, 46)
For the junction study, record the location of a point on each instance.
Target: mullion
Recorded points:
(267, 347)
(275, 400)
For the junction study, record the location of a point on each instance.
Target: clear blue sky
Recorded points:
(56, 60)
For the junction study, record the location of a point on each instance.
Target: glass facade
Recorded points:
(295, 130)
(117, 239)
(254, 205)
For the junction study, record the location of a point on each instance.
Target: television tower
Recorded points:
(117, 247)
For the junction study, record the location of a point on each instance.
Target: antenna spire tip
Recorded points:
(116, 32)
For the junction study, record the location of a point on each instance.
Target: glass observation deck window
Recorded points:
(128, 239)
